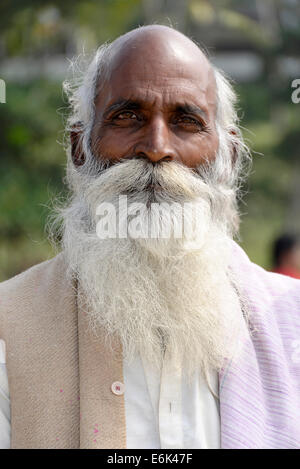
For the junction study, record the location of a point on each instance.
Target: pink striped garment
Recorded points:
(260, 393)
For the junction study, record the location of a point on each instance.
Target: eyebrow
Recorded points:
(136, 104)
(121, 104)
(187, 108)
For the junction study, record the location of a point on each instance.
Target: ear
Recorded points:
(78, 156)
(234, 151)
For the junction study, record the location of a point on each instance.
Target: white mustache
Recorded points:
(165, 181)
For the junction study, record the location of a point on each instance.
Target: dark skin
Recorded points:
(158, 103)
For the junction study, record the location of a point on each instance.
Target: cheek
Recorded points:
(111, 145)
(198, 150)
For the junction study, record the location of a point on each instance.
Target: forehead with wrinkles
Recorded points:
(160, 61)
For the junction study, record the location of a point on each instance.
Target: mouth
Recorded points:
(154, 187)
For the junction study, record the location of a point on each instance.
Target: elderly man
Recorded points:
(131, 338)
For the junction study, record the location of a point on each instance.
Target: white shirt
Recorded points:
(163, 410)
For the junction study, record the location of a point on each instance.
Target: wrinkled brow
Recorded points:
(121, 104)
(187, 108)
(136, 104)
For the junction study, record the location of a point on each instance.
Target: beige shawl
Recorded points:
(59, 374)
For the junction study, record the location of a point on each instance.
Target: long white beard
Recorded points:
(153, 293)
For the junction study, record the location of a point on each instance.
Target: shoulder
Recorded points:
(248, 272)
(32, 289)
(267, 291)
(31, 278)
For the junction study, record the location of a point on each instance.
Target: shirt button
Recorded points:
(118, 388)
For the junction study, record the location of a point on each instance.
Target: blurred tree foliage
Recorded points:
(31, 168)
(31, 153)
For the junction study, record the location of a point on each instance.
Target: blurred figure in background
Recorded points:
(286, 255)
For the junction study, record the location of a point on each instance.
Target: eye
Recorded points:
(189, 123)
(189, 120)
(126, 115)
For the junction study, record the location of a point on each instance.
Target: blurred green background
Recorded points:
(257, 43)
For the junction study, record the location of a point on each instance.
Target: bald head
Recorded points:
(158, 43)
(154, 32)
(160, 52)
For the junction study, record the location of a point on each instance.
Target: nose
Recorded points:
(155, 143)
